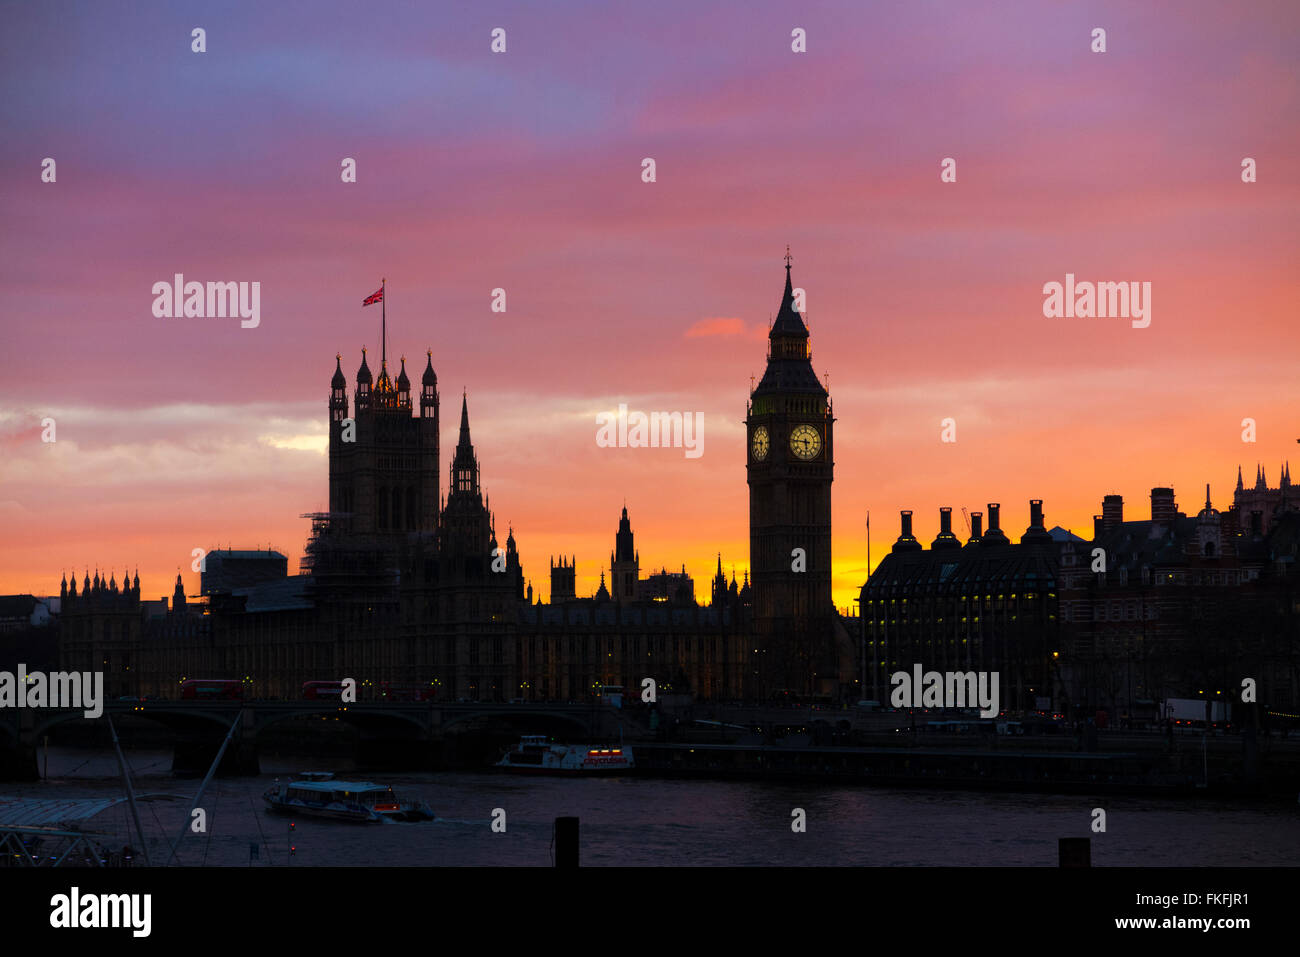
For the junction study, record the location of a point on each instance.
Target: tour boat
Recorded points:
(534, 755)
(318, 794)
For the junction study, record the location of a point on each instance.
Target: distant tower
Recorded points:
(790, 462)
(563, 577)
(1270, 503)
(624, 563)
(466, 530)
(1209, 530)
(720, 584)
(384, 461)
(514, 569)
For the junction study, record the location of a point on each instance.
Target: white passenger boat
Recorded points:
(534, 755)
(318, 794)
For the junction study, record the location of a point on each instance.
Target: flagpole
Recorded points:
(383, 302)
(863, 613)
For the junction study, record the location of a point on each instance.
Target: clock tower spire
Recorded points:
(790, 432)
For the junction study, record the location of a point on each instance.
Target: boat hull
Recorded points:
(329, 812)
(563, 772)
(321, 795)
(535, 756)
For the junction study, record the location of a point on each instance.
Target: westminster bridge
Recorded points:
(413, 735)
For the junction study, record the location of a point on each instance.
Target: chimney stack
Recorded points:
(976, 527)
(1163, 509)
(945, 539)
(906, 543)
(1097, 526)
(995, 535)
(1035, 534)
(1112, 511)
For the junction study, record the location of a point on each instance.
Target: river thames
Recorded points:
(631, 821)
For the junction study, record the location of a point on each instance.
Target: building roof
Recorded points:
(784, 373)
(995, 567)
(17, 606)
(246, 553)
(20, 812)
(788, 322)
(281, 594)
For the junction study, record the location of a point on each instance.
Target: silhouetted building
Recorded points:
(1270, 503)
(1167, 606)
(1173, 605)
(790, 465)
(408, 594)
(988, 605)
(225, 569)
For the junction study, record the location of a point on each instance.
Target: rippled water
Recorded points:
(634, 821)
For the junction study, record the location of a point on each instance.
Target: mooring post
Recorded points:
(566, 842)
(1075, 851)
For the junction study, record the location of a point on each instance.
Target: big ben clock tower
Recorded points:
(789, 462)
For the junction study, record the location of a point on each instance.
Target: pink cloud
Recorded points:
(723, 326)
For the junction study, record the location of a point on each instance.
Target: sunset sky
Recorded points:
(522, 171)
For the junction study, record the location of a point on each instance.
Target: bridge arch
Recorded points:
(177, 719)
(520, 716)
(361, 718)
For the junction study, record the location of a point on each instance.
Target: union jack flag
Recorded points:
(376, 296)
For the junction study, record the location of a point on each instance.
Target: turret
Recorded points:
(403, 383)
(364, 382)
(464, 466)
(338, 391)
(428, 389)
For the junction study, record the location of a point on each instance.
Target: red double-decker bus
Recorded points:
(396, 692)
(322, 690)
(208, 689)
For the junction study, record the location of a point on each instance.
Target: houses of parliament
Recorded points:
(403, 586)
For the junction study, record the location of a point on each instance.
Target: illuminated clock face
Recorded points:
(761, 443)
(805, 442)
